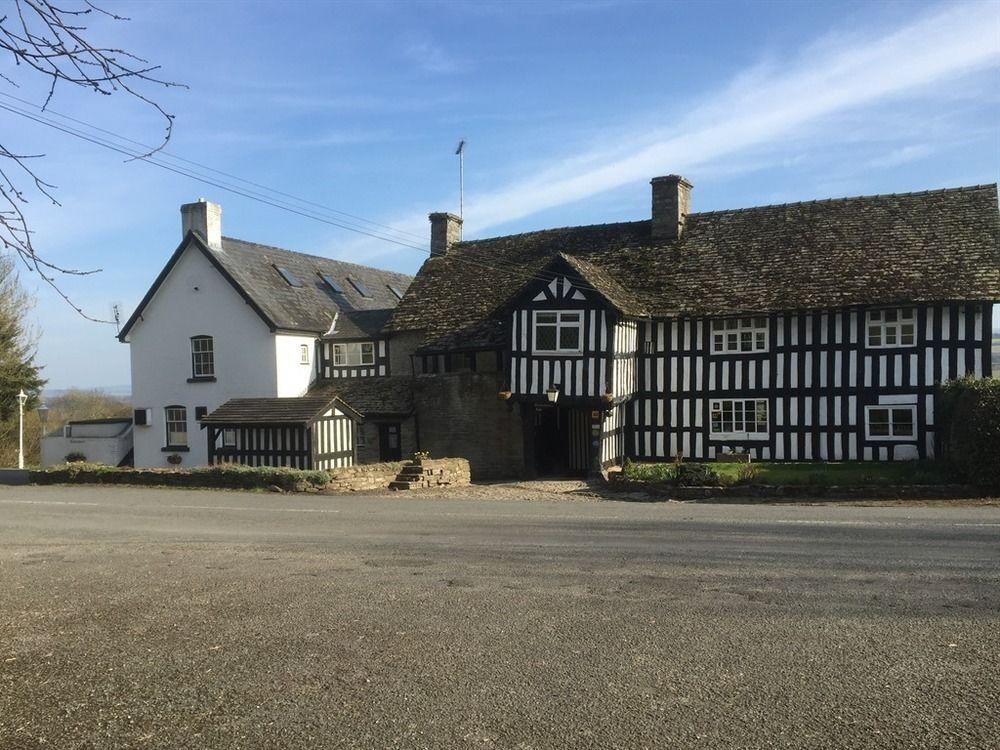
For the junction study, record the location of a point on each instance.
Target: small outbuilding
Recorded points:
(309, 432)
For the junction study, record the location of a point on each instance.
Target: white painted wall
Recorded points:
(293, 377)
(193, 300)
(100, 443)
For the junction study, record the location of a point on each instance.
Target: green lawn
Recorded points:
(854, 473)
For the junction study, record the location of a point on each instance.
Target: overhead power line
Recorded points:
(260, 195)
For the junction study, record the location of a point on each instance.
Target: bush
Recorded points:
(228, 476)
(75, 457)
(695, 475)
(969, 423)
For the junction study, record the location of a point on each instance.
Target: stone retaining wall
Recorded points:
(367, 477)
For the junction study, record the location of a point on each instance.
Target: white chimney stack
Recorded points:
(204, 218)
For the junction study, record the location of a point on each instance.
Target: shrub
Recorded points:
(228, 476)
(75, 457)
(695, 475)
(637, 472)
(747, 473)
(969, 420)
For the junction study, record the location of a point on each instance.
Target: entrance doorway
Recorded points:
(562, 441)
(388, 442)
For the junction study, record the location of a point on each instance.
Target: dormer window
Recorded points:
(362, 289)
(202, 357)
(288, 276)
(739, 335)
(891, 328)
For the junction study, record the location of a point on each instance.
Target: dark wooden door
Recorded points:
(388, 442)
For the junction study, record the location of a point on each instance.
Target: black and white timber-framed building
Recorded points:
(798, 332)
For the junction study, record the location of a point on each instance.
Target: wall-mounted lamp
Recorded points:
(552, 394)
(504, 395)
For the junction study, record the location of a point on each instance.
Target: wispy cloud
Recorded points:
(903, 155)
(432, 58)
(761, 107)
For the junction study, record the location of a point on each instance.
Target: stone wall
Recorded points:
(459, 414)
(367, 477)
(369, 452)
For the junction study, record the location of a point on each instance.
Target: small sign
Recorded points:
(595, 415)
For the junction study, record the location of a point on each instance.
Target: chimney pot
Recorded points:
(205, 218)
(446, 230)
(671, 203)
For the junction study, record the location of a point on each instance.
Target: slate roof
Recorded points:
(300, 410)
(250, 267)
(909, 247)
(370, 396)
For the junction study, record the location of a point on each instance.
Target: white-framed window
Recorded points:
(739, 335)
(891, 422)
(175, 418)
(558, 332)
(202, 357)
(228, 437)
(739, 418)
(892, 327)
(356, 353)
(303, 354)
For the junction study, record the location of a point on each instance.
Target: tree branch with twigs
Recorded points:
(50, 43)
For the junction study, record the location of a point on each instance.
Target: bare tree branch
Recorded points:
(50, 43)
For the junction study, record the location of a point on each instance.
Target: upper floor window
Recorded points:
(892, 327)
(358, 353)
(739, 335)
(175, 418)
(558, 332)
(303, 354)
(738, 418)
(202, 357)
(890, 422)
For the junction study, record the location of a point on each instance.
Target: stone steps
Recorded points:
(417, 476)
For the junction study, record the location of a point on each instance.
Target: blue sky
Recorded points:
(568, 109)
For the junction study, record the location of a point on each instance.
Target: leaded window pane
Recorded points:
(545, 338)
(569, 337)
(878, 422)
(902, 422)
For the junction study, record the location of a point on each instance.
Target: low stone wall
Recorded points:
(363, 477)
(366, 477)
(793, 492)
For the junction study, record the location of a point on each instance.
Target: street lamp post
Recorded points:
(21, 398)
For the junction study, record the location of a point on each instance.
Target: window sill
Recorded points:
(890, 439)
(556, 354)
(202, 379)
(175, 449)
(739, 436)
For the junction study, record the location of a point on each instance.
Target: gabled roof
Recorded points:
(302, 410)
(252, 270)
(930, 246)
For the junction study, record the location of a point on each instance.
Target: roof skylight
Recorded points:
(394, 290)
(332, 283)
(362, 289)
(288, 276)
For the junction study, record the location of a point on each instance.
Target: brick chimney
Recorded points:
(446, 230)
(671, 201)
(205, 218)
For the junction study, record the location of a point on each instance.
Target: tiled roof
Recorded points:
(359, 324)
(270, 410)
(310, 307)
(369, 396)
(933, 245)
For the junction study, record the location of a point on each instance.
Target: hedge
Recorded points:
(969, 423)
(229, 476)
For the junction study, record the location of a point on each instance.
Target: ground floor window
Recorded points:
(891, 422)
(229, 437)
(739, 418)
(177, 431)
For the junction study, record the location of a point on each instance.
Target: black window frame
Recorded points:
(360, 287)
(332, 283)
(290, 278)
